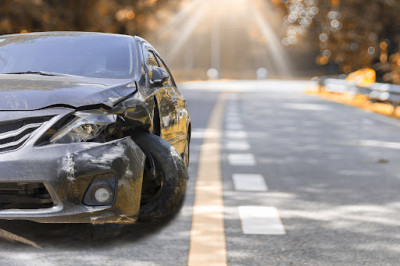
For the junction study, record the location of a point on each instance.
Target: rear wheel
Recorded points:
(164, 178)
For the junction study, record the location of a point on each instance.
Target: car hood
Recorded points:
(31, 92)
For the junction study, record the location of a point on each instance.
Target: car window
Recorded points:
(161, 63)
(150, 61)
(82, 55)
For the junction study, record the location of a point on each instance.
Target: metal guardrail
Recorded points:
(377, 92)
(385, 93)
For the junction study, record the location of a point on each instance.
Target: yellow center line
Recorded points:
(207, 237)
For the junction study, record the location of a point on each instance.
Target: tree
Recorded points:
(117, 16)
(351, 33)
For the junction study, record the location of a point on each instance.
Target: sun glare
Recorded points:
(229, 36)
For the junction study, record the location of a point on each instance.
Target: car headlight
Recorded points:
(85, 126)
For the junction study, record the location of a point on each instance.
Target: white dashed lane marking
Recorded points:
(232, 120)
(254, 219)
(261, 220)
(306, 106)
(249, 182)
(232, 111)
(237, 145)
(203, 133)
(232, 116)
(242, 159)
(236, 126)
(236, 134)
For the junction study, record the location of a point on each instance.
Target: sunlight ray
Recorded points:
(179, 18)
(184, 34)
(274, 44)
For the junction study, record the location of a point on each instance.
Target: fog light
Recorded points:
(102, 195)
(102, 191)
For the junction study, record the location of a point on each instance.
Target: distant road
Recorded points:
(250, 85)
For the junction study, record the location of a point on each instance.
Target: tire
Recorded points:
(164, 178)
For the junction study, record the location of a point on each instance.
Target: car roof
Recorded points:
(66, 33)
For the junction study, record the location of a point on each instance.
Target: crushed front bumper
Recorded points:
(68, 172)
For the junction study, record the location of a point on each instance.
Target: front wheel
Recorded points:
(164, 177)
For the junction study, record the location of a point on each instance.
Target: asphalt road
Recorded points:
(305, 181)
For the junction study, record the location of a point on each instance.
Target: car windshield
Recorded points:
(90, 55)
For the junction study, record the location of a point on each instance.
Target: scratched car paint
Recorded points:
(92, 129)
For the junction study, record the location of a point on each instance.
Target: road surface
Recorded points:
(303, 181)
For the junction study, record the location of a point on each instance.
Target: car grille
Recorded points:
(13, 134)
(21, 195)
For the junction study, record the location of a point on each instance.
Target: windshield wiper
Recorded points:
(43, 73)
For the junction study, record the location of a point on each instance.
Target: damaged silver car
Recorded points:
(92, 130)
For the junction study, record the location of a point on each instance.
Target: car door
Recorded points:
(181, 118)
(171, 105)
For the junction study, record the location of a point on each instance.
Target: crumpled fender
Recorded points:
(136, 111)
(125, 160)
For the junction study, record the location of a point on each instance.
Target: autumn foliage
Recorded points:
(350, 33)
(117, 16)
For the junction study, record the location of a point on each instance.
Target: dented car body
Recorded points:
(92, 129)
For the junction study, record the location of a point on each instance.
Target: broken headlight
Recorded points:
(85, 126)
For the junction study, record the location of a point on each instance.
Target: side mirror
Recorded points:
(158, 76)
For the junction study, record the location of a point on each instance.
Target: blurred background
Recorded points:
(235, 39)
